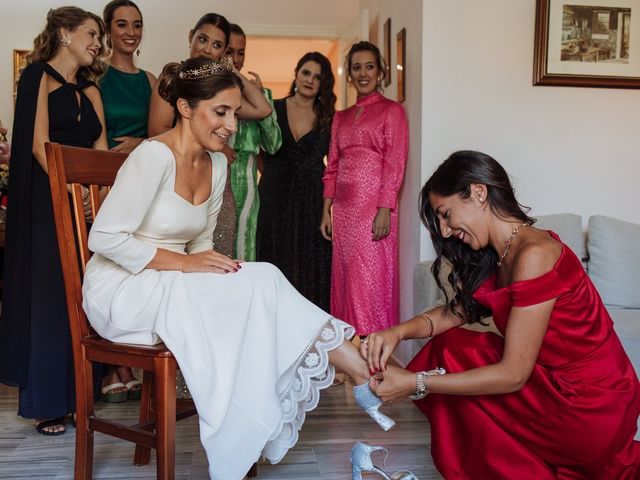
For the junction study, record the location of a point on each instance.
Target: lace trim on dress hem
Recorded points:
(312, 374)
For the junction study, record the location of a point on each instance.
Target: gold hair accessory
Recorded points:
(225, 64)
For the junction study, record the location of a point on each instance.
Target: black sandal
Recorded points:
(40, 427)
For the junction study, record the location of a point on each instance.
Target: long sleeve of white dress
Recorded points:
(126, 228)
(126, 205)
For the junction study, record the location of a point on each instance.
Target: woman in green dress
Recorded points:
(252, 137)
(125, 91)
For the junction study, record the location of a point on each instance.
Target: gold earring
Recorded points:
(65, 41)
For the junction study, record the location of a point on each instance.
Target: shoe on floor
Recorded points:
(134, 389)
(40, 427)
(109, 396)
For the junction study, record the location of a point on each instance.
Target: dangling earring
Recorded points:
(65, 41)
(138, 53)
(108, 41)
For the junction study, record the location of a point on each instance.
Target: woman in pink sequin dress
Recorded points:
(367, 159)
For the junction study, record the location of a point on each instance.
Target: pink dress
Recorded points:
(367, 158)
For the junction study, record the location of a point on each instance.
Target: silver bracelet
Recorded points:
(422, 390)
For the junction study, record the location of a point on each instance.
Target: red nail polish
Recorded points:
(372, 372)
(377, 369)
(226, 271)
(235, 269)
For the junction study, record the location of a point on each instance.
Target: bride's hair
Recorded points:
(178, 80)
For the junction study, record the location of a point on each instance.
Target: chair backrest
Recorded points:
(77, 167)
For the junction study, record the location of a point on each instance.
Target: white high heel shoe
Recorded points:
(361, 462)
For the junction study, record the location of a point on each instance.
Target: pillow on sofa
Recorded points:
(568, 226)
(614, 260)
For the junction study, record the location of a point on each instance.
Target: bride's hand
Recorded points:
(210, 261)
(377, 348)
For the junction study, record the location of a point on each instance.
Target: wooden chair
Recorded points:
(159, 408)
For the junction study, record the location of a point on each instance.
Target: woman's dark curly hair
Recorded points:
(324, 105)
(469, 268)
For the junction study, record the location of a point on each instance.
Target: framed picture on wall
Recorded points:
(587, 43)
(19, 63)
(386, 51)
(401, 54)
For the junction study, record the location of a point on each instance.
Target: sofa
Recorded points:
(610, 252)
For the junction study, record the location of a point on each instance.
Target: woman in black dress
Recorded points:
(291, 185)
(57, 101)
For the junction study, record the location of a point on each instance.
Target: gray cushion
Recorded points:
(614, 260)
(568, 226)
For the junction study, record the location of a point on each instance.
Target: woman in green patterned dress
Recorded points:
(253, 137)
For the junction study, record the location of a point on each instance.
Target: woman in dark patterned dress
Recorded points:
(291, 185)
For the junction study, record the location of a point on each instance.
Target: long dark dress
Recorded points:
(291, 209)
(35, 341)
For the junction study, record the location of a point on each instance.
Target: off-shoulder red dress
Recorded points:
(575, 418)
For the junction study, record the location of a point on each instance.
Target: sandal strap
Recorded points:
(111, 386)
(50, 423)
(132, 383)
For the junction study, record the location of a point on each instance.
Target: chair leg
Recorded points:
(253, 471)
(83, 468)
(165, 383)
(142, 455)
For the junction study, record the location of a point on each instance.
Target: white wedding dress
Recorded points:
(253, 351)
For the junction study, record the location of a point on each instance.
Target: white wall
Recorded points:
(167, 25)
(567, 149)
(405, 14)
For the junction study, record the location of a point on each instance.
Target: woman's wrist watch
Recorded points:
(421, 387)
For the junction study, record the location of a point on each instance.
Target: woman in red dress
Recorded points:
(554, 396)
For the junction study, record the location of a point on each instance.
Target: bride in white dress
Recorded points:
(254, 352)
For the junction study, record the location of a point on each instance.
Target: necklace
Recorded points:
(507, 244)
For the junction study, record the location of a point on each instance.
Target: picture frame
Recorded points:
(19, 63)
(587, 43)
(386, 51)
(401, 54)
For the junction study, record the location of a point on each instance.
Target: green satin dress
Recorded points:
(126, 104)
(251, 137)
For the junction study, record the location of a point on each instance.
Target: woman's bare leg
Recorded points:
(347, 359)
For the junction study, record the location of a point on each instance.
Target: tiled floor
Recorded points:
(322, 451)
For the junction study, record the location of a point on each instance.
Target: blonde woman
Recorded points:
(57, 101)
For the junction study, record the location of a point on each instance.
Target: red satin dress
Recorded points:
(575, 418)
